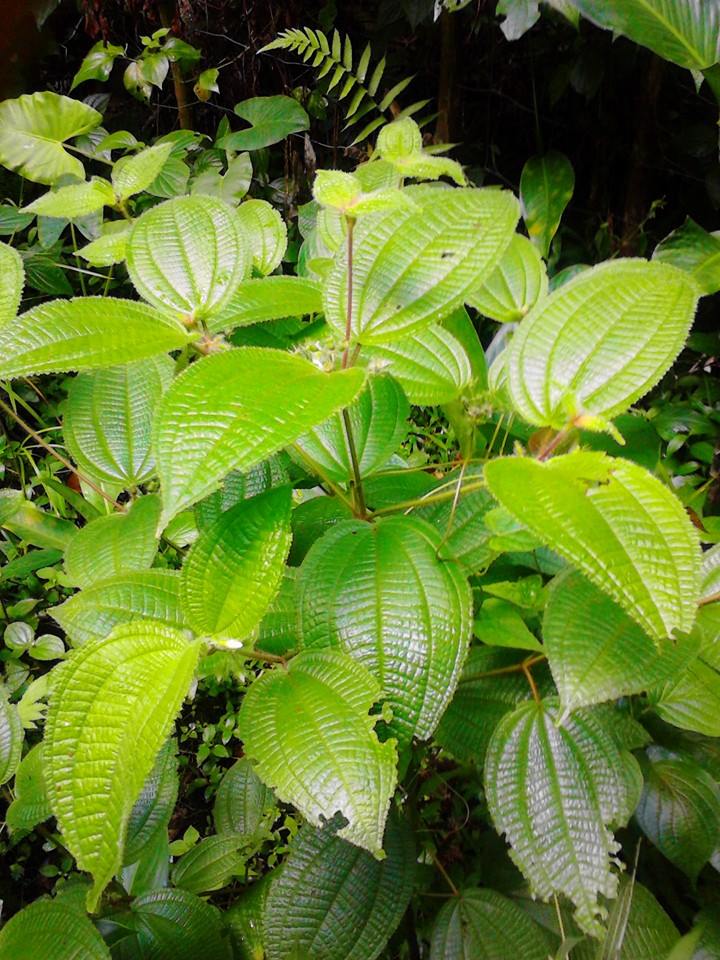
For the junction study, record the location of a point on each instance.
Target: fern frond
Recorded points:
(334, 58)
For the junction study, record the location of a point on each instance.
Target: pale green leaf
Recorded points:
(13, 280)
(36, 526)
(264, 232)
(546, 187)
(694, 250)
(520, 16)
(187, 256)
(597, 652)
(84, 334)
(110, 246)
(235, 409)
(130, 686)
(135, 173)
(209, 865)
(600, 342)
(431, 365)
(11, 737)
(235, 567)
(307, 728)
(108, 417)
(31, 805)
(74, 201)
(93, 613)
(269, 298)
(271, 119)
(617, 523)
(518, 282)
(679, 810)
(97, 63)
(400, 143)
(152, 810)
(33, 129)
(378, 421)
(243, 804)
(238, 486)
(333, 901)
(51, 930)
(382, 594)
(485, 925)
(116, 544)
(686, 32)
(542, 796)
(691, 701)
(415, 266)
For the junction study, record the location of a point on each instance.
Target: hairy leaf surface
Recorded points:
(243, 804)
(52, 930)
(153, 808)
(13, 274)
(265, 234)
(11, 737)
(270, 298)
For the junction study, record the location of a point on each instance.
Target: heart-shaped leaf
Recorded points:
(271, 119)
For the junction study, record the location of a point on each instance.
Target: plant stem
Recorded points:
(357, 479)
(422, 501)
(514, 668)
(711, 598)
(445, 875)
(552, 445)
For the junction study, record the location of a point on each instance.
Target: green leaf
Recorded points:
(11, 737)
(431, 365)
(186, 256)
(152, 810)
(36, 526)
(207, 84)
(31, 805)
(135, 82)
(171, 925)
(33, 129)
(84, 334)
(518, 282)
(547, 184)
(94, 612)
(138, 676)
(381, 593)
(499, 624)
(600, 342)
(264, 232)
(244, 919)
(686, 33)
(108, 417)
(238, 486)
(692, 700)
(269, 298)
(271, 119)
(13, 274)
(400, 143)
(694, 250)
(209, 865)
(485, 925)
(52, 930)
(307, 728)
(243, 805)
(235, 409)
(412, 267)
(597, 652)
(74, 201)
(98, 63)
(235, 567)
(277, 631)
(679, 810)
(110, 246)
(520, 16)
(617, 523)
(378, 420)
(542, 795)
(134, 174)
(333, 901)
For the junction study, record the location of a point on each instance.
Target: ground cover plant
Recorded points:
(361, 561)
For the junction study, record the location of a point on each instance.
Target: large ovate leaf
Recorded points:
(542, 796)
(600, 342)
(33, 129)
(333, 901)
(52, 930)
(243, 805)
(378, 421)
(265, 234)
(412, 267)
(517, 283)
(597, 652)
(84, 334)
(113, 545)
(186, 256)
(235, 409)
(209, 865)
(484, 925)
(13, 279)
(694, 250)
(234, 569)
(267, 298)
(153, 808)
(431, 365)
(271, 119)
(94, 612)
(382, 594)
(307, 728)
(546, 187)
(679, 810)
(617, 523)
(684, 31)
(130, 686)
(108, 417)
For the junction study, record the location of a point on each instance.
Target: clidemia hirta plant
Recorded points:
(524, 614)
